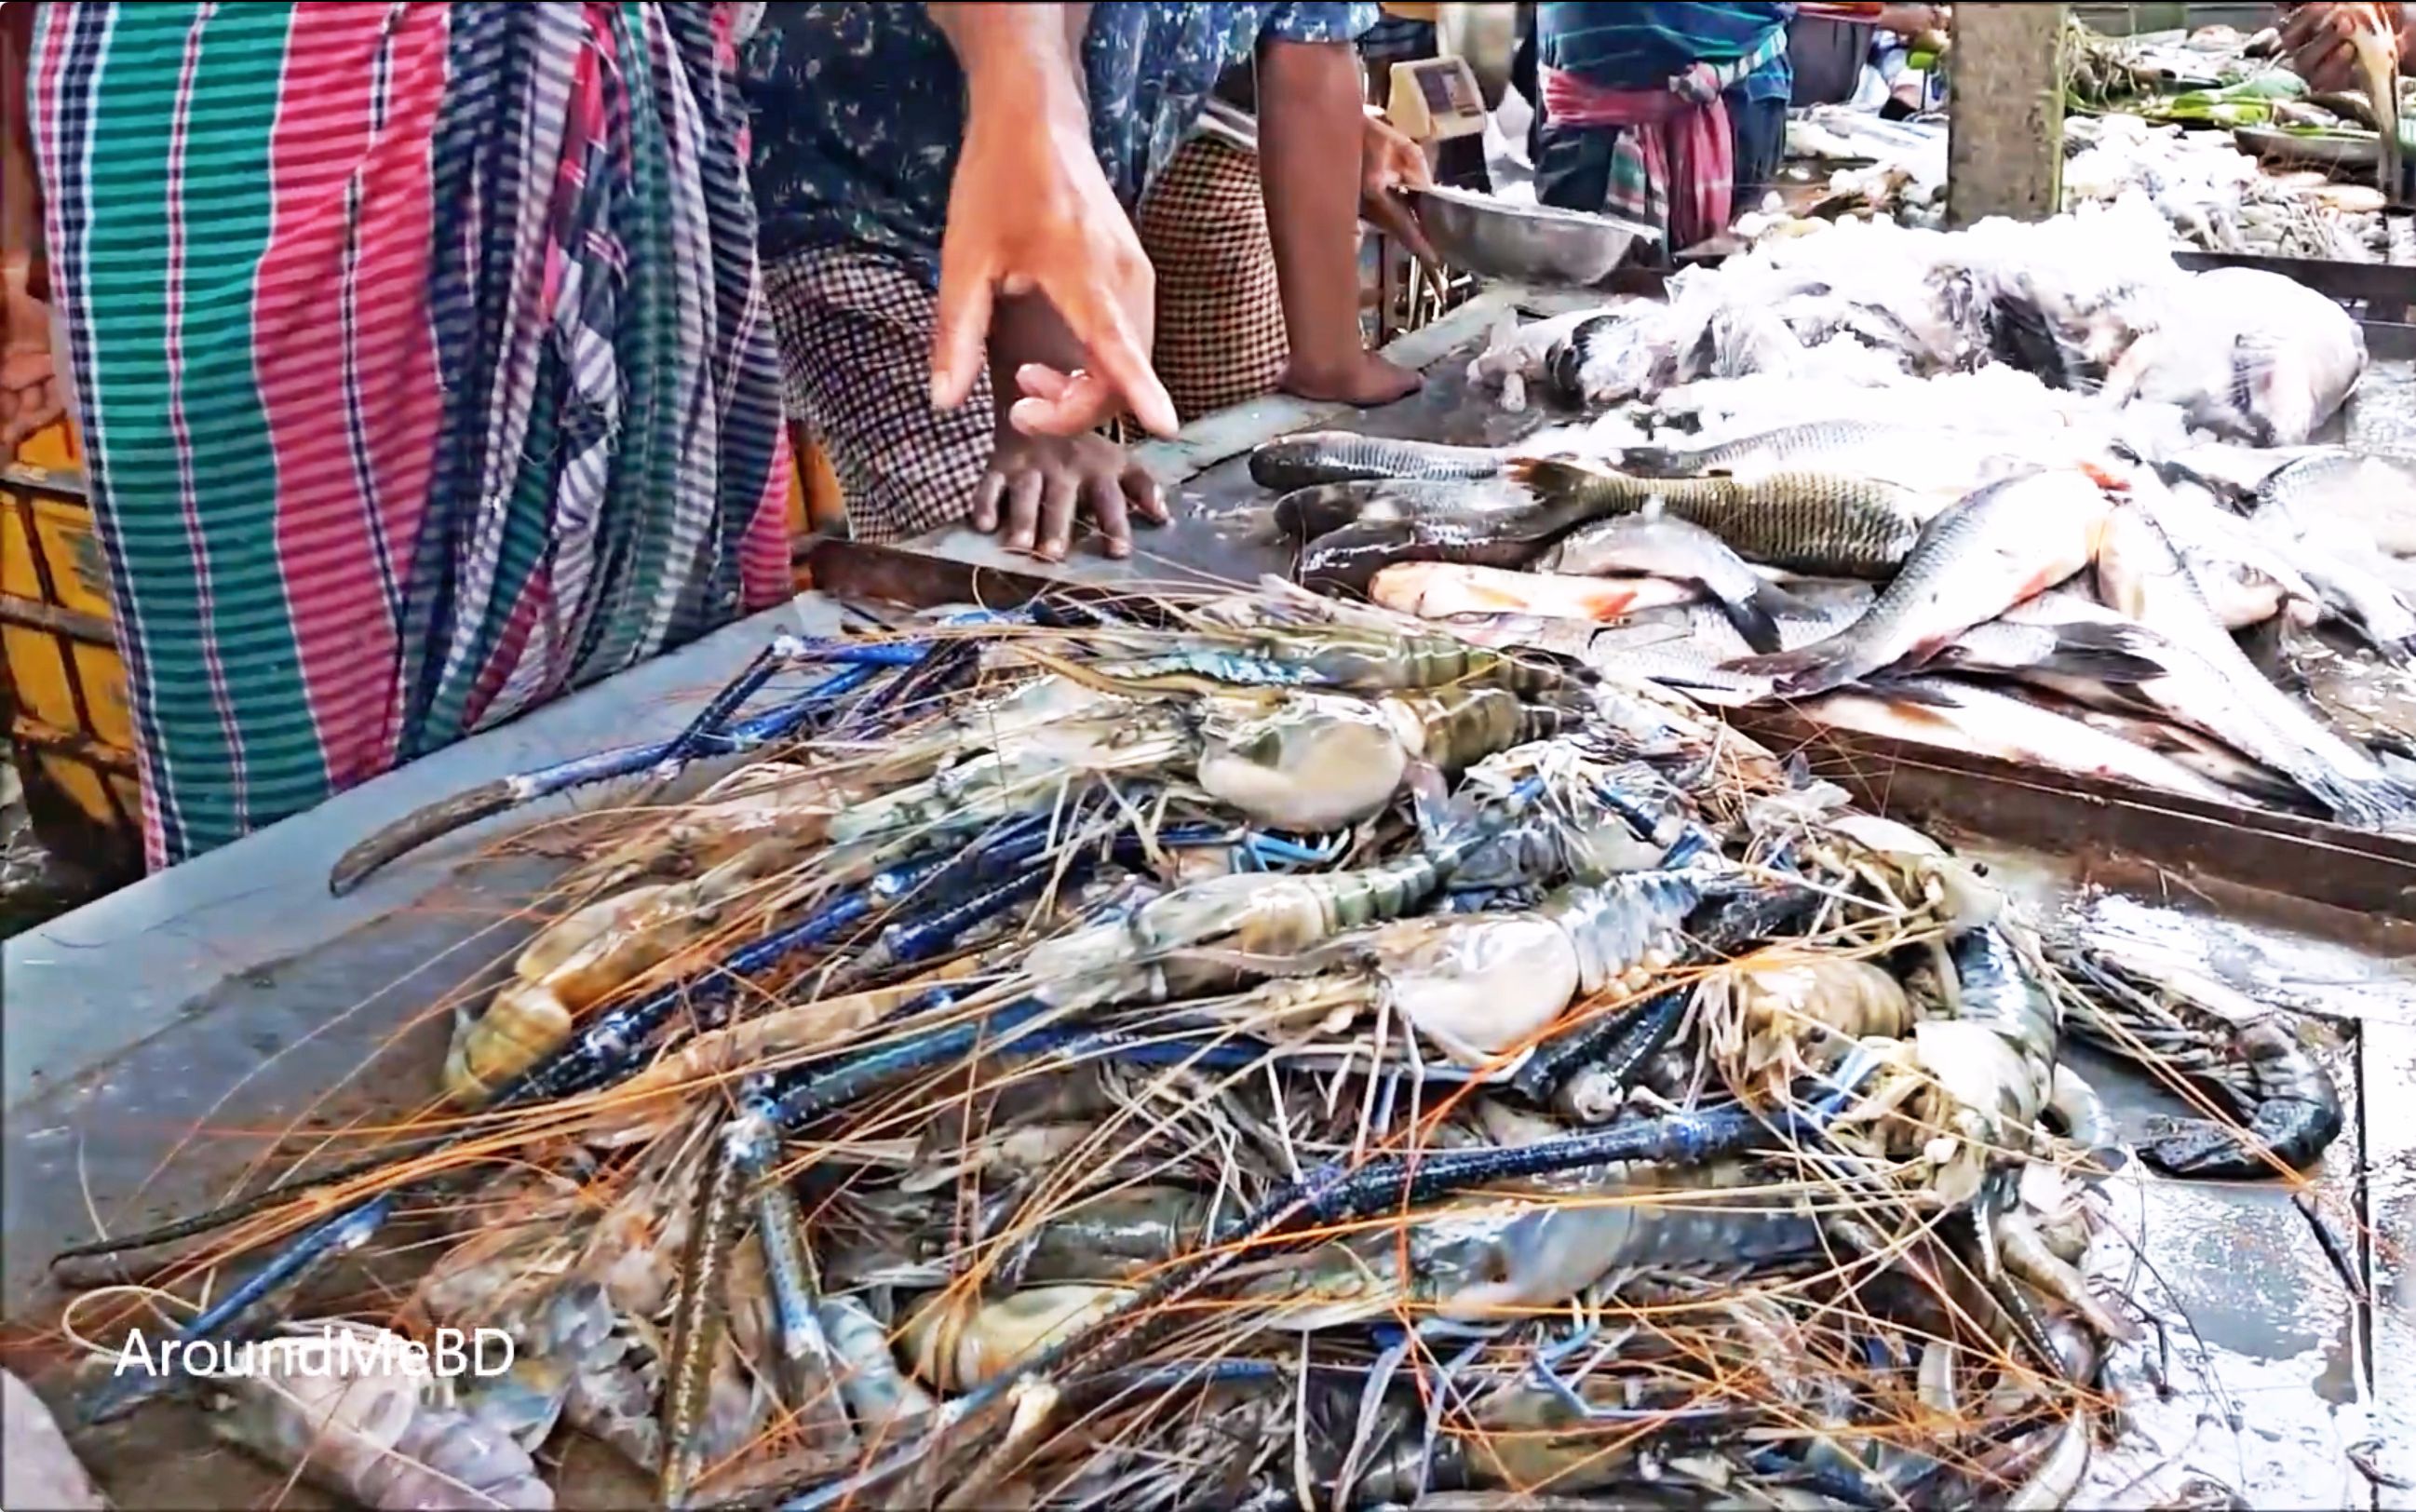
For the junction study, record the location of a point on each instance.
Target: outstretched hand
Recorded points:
(1390, 162)
(2315, 38)
(1030, 212)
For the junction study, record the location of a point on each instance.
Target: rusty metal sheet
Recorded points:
(2377, 283)
(2120, 832)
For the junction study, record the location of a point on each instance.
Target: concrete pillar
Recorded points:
(2005, 121)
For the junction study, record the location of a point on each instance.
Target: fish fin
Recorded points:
(1777, 599)
(2122, 654)
(1753, 622)
(1806, 670)
(1885, 685)
(1551, 478)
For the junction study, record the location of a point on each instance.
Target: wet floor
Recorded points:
(2261, 1379)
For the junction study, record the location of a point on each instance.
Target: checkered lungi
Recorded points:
(855, 353)
(856, 344)
(1220, 328)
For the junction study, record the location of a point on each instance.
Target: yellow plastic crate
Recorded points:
(64, 695)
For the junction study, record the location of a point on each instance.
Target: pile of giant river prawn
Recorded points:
(1385, 1039)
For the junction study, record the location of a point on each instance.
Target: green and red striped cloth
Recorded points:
(422, 366)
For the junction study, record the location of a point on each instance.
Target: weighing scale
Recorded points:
(1435, 99)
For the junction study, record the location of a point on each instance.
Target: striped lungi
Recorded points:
(422, 367)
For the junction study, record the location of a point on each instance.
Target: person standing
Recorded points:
(1671, 114)
(1829, 57)
(941, 183)
(420, 366)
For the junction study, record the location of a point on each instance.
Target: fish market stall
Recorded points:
(2206, 126)
(2340, 880)
(1126, 1035)
(2252, 1387)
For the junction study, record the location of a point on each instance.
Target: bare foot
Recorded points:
(1372, 380)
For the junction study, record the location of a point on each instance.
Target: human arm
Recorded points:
(1911, 20)
(1309, 97)
(1031, 213)
(2315, 40)
(30, 397)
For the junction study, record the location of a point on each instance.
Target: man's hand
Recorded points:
(1390, 162)
(1030, 212)
(1037, 485)
(29, 388)
(2315, 40)
(1911, 20)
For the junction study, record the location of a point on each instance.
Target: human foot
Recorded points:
(1370, 381)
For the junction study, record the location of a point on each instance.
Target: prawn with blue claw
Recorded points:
(1236, 1051)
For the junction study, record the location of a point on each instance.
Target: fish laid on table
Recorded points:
(1936, 711)
(2215, 688)
(2008, 542)
(1829, 524)
(1320, 508)
(1696, 649)
(2339, 569)
(2248, 574)
(1296, 462)
(1439, 590)
(2201, 753)
(1655, 544)
(1348, 558)
(1916, 456)
(2375, 492)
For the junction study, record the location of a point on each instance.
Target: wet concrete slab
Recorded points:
(2271, 1369)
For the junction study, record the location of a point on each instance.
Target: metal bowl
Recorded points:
(1529, 243)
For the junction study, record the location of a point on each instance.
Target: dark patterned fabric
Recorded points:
(859, 107)
(1220, 329)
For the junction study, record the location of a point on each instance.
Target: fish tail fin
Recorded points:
(1554, 478)
(2360, 803)
(1755, 622)
(1775, 600)
(2106, 653)
(1807, 670)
